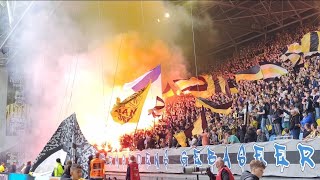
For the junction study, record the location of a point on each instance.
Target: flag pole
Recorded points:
(134, 134)
(139, 117)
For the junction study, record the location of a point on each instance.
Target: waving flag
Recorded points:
(129, 110)
(167, 92)
(310, 42)
(221, 108)
(196, 128)
(292, 52)
(251, 74)
(143, 80)
(205, 90)
(223, 85)
(293, 48)
(233, 86)
(271, 70)
(158, 109)
(294, 58)
(183, 84)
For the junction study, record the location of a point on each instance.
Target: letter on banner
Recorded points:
(241, 157)
(165, 159)
(148, 162)
(196, 157)
(306, 152)
(139, 159)
(226, 158)
(156, 160)
(259, 153)
(184, 159)
(280, 156)
(110, 160)
(117, 161)
(123, 161)
(211, 157)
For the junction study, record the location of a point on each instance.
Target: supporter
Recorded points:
(276, 119)
(263, 111)
(231, 139)
(307, 119)
(2, 167)
(261, 137)
(13, 168)
(295, 123)
(251, 135)
(67, 171)
(214, 136)
(27, 168)
(318, 131)
(306, 130)
(205, 138)
(313, 132)
(297, 89)
(133, 169)
(286, 117)
(174, 142)
(286, 134)
(89, 167)
(193, 142)
(224, 173)
(199, 142)
(76, 172)
(241, 131)
(257, 168)
(58, 169)
(162, 143)
(307, 102)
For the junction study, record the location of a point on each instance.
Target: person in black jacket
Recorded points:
(89, 160)
(261, 137)
(295, 123)
(251, 135)
(257, 169)
(13, 168)
(276, 119)
(67, 172)
(27, 168)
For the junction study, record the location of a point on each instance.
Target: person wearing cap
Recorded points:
(58, 169)
(97, 168)
(133, 169)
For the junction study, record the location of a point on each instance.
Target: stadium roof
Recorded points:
(240, 21)
(234, 22)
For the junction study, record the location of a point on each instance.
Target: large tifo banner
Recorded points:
(17, 110)
(291, 158)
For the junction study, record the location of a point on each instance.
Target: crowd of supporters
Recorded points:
(285, 107)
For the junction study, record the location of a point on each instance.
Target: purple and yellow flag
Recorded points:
(129, 110)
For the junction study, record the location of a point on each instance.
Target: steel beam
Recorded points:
(256, 36)
(236, 26)
(292, 6)
(16, 25)
(262, 14)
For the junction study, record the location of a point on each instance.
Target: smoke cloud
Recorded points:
(77, 55)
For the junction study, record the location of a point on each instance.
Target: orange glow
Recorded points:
(92, 100)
